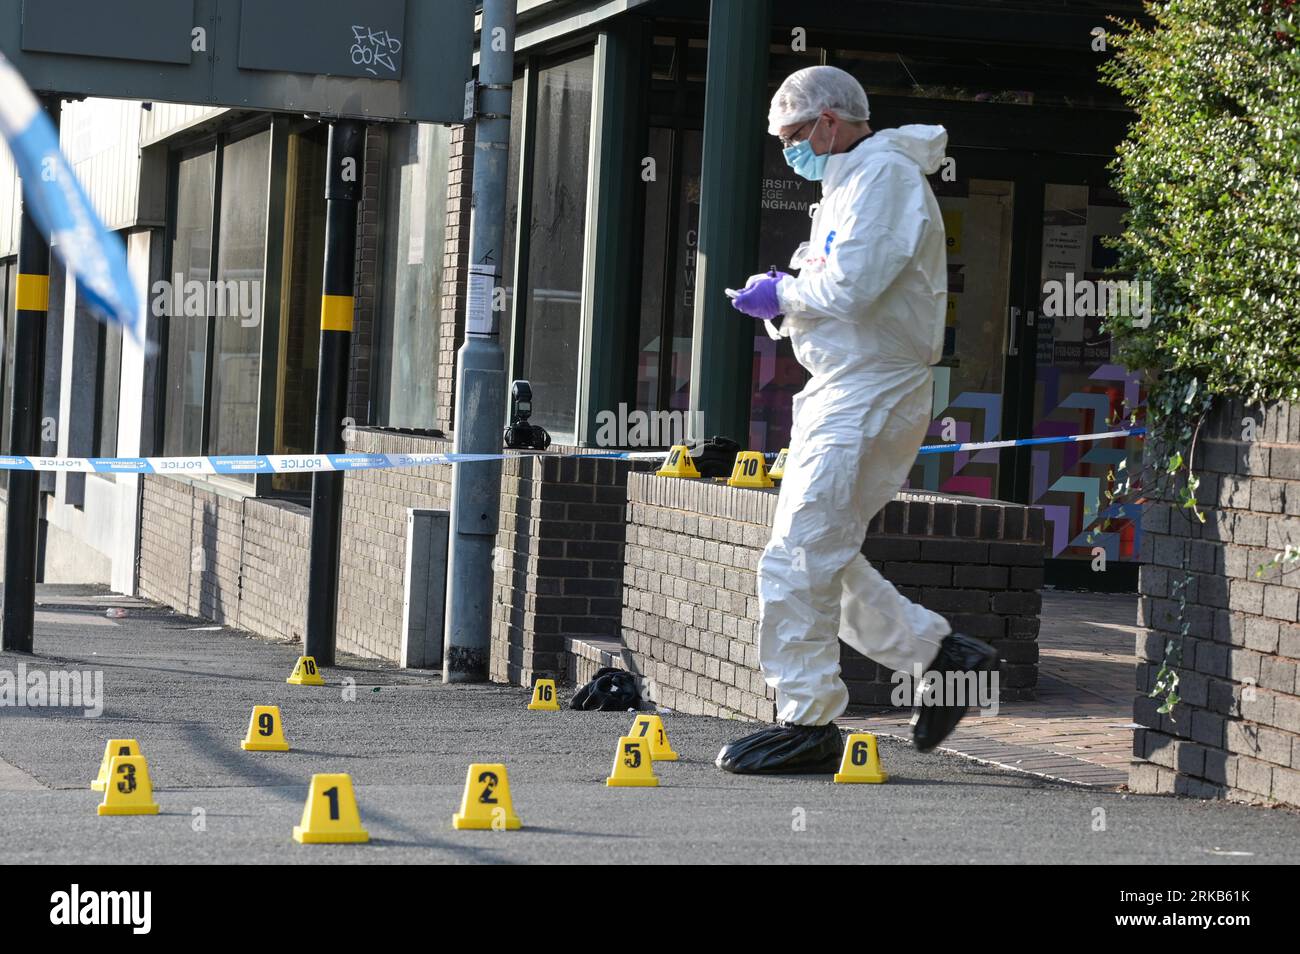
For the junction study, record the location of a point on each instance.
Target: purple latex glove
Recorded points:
(759, 298)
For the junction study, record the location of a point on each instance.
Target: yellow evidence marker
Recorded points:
(651, 728)
(750, 470)
(633, 765)
(544, 696)
(861, 762)
(486, 804)
(678, 463)
(305, 673)
(265, 731)
(111, 748)
(128, 791)
(777, 470)
(330, 815)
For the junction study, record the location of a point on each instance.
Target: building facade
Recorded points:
(632, 180)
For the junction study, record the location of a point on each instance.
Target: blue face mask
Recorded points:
(801, 158)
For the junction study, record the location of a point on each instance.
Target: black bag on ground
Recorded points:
(717, 458)
(613, 690)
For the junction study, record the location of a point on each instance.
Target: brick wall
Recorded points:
(242, 561)
(273, 569)
(559, 572)
(690, 609)
(239, 561)
(460, 186)
(559, 568)
(372, 547)
(1237, 730)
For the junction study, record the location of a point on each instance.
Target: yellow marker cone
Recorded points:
(777, 470)
(544, 696)
(128, 791)
(678, 463)
(265, 731)
(749, 471)
(330, 815)
(305, 673)
(486, 803)
(651, 728)
(111, 748)
(633, 764)
(861, 762)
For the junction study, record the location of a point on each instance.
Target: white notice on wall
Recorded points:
(478, 304)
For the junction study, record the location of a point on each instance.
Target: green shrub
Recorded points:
(1211, 171)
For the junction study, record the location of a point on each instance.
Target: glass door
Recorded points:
(1078, 386)
(981, 380)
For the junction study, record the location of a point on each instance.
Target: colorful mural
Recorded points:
(1068, 481)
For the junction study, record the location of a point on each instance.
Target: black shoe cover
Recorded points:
(957, 653)
(782, 749)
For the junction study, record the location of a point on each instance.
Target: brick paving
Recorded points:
(1080, 729)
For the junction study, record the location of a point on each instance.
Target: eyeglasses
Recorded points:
(796, 138)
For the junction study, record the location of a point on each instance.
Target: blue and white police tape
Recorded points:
(1032, 441)
(316, 463)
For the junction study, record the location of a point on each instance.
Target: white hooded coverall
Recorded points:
(866, 319)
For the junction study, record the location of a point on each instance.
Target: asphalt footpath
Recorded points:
(185, 690)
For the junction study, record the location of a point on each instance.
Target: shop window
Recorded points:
(216, 308)
(9, 273)
(657, 250)
(557, 220)
(682, 313)
(1023, 77)
(187, 335)
(671, 240)
(50, 402)
(241, 260)
(784, 224)
(300, 290)
(415, 226)
(108, 388)
(518, 98)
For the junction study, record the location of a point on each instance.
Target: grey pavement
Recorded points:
(185, 692)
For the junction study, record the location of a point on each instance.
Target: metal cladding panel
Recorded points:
(364, 59)
(55, 55)
(433, 57)
(151, 31)
(327, 37)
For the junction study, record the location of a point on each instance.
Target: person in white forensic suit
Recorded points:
(865, 316)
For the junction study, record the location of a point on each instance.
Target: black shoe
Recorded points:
(932, 722)
(781, 749)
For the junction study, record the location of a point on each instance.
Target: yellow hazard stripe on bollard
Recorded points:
(336, 312)
(32, 293)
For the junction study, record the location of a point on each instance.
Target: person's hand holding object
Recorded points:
(758, 299)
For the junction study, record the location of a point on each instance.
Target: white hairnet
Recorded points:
(810, 91)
